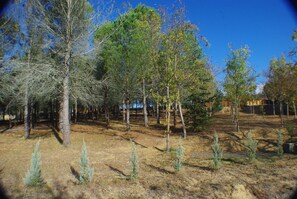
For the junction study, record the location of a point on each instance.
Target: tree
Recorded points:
(281, 82)
(67, 23)
(239, 80)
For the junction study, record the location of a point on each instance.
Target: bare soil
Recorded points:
(109, 151)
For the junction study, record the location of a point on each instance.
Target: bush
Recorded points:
(290, 129)
(217, 152)
(33, 176)
(251, 146)
(86, 172)
(280, 142)
(180, 151)
(134, 163)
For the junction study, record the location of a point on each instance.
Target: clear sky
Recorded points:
(266, 26)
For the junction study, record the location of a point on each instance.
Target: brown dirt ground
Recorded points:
(109, 151)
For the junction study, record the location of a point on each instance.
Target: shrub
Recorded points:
(280, 142)
(33, 176)
(180, 151)
(251, 146)
(86, 172)
(290, 129)
(217, 152)
(134, 163)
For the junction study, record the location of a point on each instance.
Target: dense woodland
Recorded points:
(62, 61)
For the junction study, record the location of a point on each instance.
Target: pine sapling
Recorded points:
(33, 175)
(180, 152)
(86, 172)
(217, 152)
(251, 147)
(134, 163)
(280, 142)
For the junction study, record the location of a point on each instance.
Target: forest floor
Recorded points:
(110, 149)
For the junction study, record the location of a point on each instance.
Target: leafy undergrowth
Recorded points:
(110, 149)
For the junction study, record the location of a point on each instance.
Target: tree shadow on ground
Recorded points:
(119, 172)
(56, 134)
(74, 173)
(161, 170)
(199, 167)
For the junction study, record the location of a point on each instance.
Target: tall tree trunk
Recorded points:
(294, 107)
(128, 114)
(174, 114)
(27, 115)
(237, 115)
(106, 108)
(144, 104)
(65, 97)
(167, 118)
(124, 109)
(75, 110)
(27, 98)
(281, 113)
(273, 106)
(182, 120)
(158, 112)
(32, 114)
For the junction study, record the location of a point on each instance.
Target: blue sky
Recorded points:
(265, 26)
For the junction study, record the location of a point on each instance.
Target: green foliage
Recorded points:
(134, 163)
(290, 129)
(280, 142)
(33, 176)
(217, 152)
(251, 147)
(86, 172)
(198, 115)
(179, 153)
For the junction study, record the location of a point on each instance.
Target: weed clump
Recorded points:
(251, 147)
(33, 175)
(86, 172)
(179, 154)
(280, 142)
(217, 152)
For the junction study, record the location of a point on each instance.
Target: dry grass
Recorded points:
(110, 149)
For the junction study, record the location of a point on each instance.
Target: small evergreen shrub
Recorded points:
(280, 142)
(217, 152)
(290, 129)
(134, 163)
(86, 172)
(251, 147)
(179, 154)
(33, 176)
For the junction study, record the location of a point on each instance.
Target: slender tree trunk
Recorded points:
(174, 114)
(167, 119)
(27, 115)
(167, 143)
(294, 107)
(75, 110)
(31, 114)
(144, 104)
(158, 112)
(27, 99)
(281, 113)
(106, 108)
(182, 120)
(128, 114)
(237, 115)
(52, 113)
(273, 106)
(124, 109)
